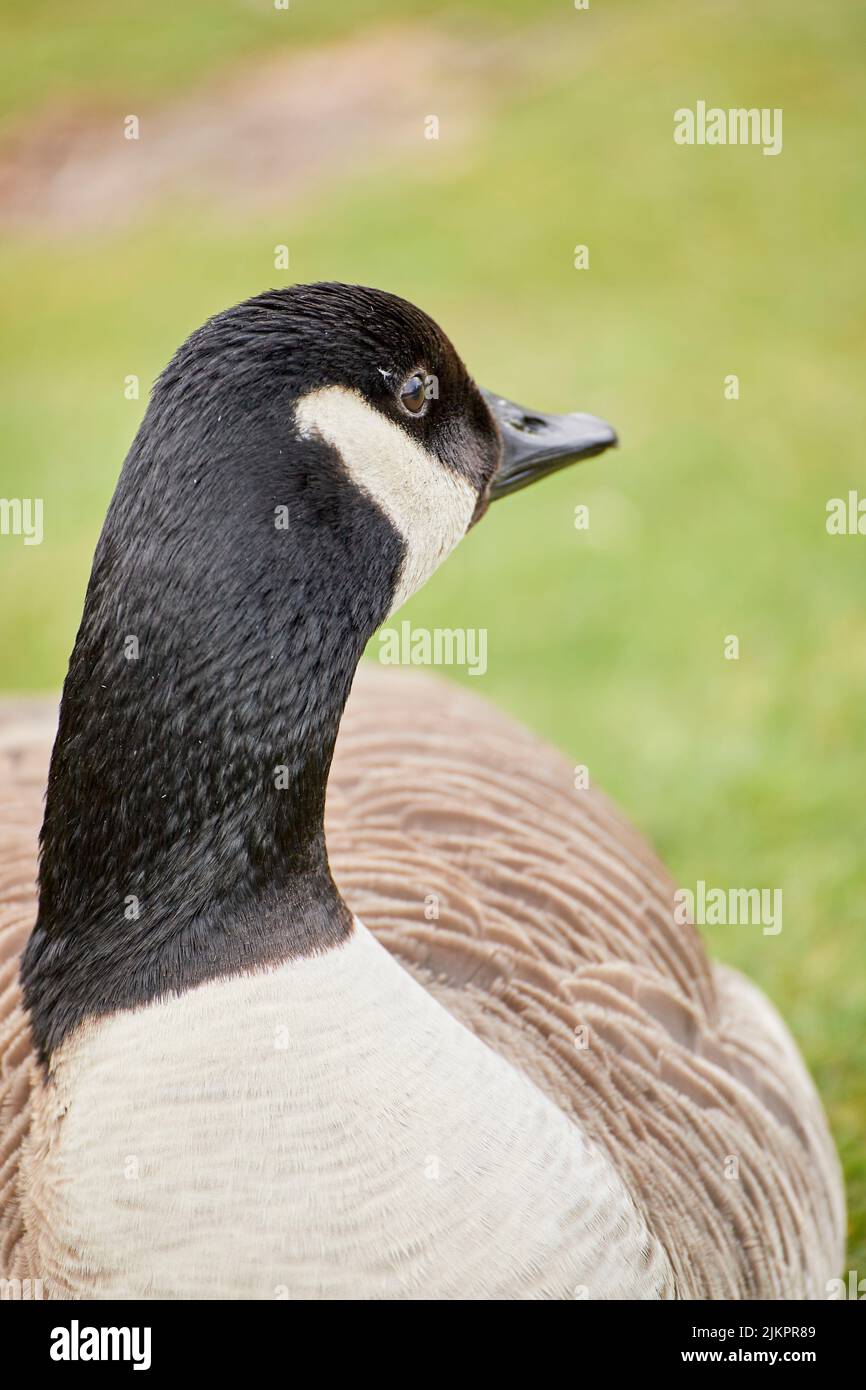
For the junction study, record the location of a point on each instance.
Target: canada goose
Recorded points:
(544, 1091)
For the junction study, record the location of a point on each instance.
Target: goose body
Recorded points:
(226, 1078)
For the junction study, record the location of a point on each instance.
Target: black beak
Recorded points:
(536, 444)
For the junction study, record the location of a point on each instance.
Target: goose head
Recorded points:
(413, 433)
(306, 461)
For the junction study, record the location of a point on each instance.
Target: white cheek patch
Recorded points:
(430, 506)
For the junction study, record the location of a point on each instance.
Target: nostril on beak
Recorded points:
(535, 444)
(527, 424)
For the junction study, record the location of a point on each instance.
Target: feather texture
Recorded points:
(538, 918)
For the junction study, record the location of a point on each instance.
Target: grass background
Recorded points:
(711, 518)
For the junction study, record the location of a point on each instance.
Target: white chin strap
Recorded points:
(430, 506)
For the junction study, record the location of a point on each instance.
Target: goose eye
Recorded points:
(413, 394)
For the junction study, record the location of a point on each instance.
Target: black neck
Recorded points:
(183, 839)
(184, 826)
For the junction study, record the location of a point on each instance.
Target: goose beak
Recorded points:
(536, 444)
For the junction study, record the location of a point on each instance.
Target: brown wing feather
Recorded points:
(555, 916)
(26, 735)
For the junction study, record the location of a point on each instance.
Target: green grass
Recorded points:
(709, 520)
(99, 50)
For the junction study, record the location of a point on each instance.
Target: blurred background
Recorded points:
(304, 128)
